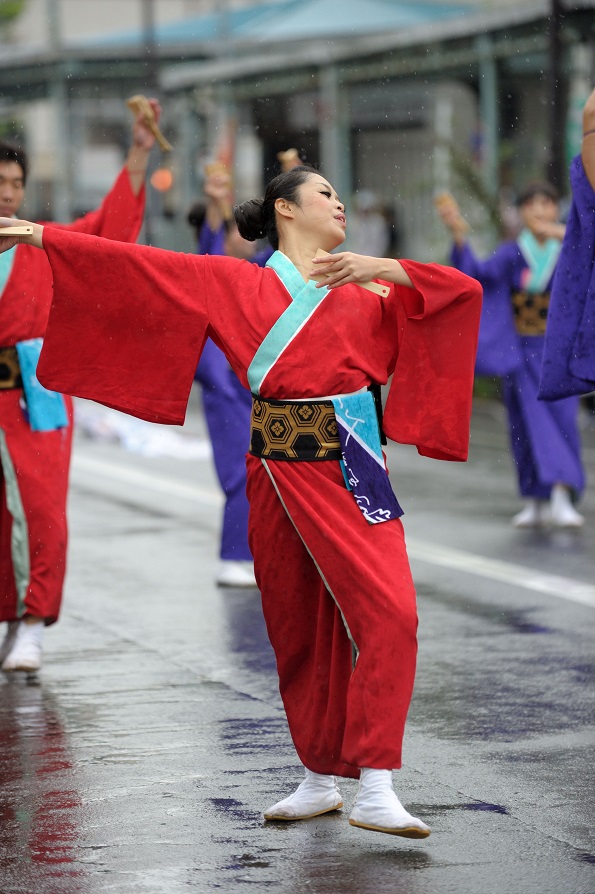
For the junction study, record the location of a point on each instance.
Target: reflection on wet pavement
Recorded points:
(144, 760)
(40, 804)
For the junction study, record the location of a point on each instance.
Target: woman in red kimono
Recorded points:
(328, 545)
(35, 453)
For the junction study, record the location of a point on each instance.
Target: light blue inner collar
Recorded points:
(6, 262)
(541, 259)
(305, 299)
(289, 275)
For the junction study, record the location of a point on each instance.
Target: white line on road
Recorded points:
(443, 556)
(89, 467)
(496, 569)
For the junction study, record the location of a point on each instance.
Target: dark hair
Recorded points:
(8, 152)
(538, 188)
(256, 218)
(196, 218)
(196, 215)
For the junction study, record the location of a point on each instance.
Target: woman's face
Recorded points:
(539, 208)
(320, 212)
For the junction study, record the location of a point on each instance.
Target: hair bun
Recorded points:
(250, 219)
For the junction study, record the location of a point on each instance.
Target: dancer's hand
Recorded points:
(450, 214)
(345, 267)
(218, 188)
(342, 268)
(588, 152)
(544, 229)
(7, 242)
(219, 191)
(143, 130)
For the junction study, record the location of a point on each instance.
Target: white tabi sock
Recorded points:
(532, 516)
(564, 515)
(25, 654)
(317, 794)
(377, 807)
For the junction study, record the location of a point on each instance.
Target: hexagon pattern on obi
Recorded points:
(10, 371)
(530, 312)
(294, 430)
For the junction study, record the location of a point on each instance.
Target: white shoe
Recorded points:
(316, 795)
(25, 654)
(9, 638)
(236, 574)
(563, 513)
(532, 516)
(378, 809)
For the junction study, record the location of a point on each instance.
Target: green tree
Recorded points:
(9, 10)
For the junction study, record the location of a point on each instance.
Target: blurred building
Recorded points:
(399, 98)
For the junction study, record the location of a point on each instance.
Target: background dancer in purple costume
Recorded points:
(569, 353)
(517, 280)
(227, 404)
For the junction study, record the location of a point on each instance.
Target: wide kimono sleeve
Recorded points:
(498, 348)
(127, 323)
(430, 398)
(569, 354)
(120, 215)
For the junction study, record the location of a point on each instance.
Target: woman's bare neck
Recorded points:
(300, 252)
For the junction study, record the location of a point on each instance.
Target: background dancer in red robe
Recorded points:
(34, 463)
(330, 562)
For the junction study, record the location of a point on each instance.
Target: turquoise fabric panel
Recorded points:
(357, 414)
(6, 262)
(305, 299)
(46, 409)
(541, 258)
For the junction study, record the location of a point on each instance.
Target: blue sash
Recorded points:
(46, 409)
(363, 462)
(541, 259)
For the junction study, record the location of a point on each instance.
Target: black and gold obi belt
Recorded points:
(294, 430)
(530, 312)
(10, 369)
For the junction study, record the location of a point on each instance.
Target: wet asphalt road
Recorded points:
(143, 756)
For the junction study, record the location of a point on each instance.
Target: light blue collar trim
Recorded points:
(287, 272)
(305, 299)
(541, 259)
(6, 262)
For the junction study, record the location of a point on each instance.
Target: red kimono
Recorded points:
(34, 465)
(332, 585)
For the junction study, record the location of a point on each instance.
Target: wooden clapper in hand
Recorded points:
(140, 105)
(16, 231)
(370, 286)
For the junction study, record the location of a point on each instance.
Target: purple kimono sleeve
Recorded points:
(569, 354)
(498, 350)
(211, 242)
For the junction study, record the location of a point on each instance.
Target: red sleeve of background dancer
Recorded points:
(120, 215)
(429, 402)
(127, 324)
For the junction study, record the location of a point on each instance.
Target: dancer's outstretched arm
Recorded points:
(588, 151)
(9, 241)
